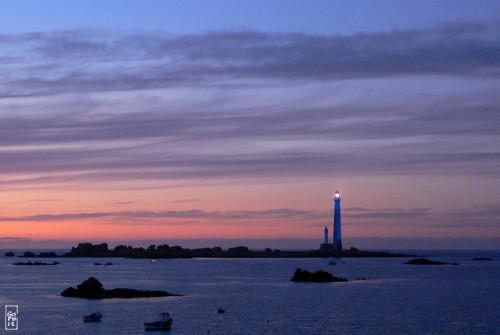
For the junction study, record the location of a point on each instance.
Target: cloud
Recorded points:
(489, 210)
(485, 216)
(121, 203)
(386, 213)
(281, 213)
(97, 61)
(241, 107)
(418, 219)
(13, 239)
(45, 200)
(187, 200)
(480, 216)
(453, 138)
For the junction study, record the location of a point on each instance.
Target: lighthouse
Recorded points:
(337, 240)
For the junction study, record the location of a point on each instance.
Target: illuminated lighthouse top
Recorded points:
(337, 195)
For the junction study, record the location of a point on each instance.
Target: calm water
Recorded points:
(259, 298)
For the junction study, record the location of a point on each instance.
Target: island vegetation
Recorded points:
(93, 289)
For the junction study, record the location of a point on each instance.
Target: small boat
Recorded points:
(332, 262)
(221, 310)
(164, 323)
(94, 317)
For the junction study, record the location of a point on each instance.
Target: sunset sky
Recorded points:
(211, 120)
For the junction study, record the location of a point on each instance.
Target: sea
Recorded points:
(258, 296)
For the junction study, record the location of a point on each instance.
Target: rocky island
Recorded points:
(93, 289)
(425, 261)
(315, 277)
(166, 251)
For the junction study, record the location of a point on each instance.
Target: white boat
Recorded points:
(94, 317)
(164, 323)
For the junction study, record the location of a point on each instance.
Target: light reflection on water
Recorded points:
(259, 298)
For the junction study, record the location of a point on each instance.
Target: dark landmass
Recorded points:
(9, 254)
(166, 251)
(35, 263)
(315, 277)
(481, 259)
(425, 261)
(29, 254)
(92, 289)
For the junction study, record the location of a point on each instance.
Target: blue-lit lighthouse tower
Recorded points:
(337, 240)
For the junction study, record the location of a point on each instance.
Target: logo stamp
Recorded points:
(11, 321)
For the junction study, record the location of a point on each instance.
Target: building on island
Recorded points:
(325, 246)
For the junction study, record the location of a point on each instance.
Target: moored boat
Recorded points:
(164, 322)
(94, 317)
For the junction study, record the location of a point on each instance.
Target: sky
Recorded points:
(214, 121)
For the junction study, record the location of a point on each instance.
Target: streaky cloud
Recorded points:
(486, 216)
(281, 213)
(51, 63)
(441, 138)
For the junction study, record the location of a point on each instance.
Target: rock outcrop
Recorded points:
(316, 277)
(93, 289)
(425, 261)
